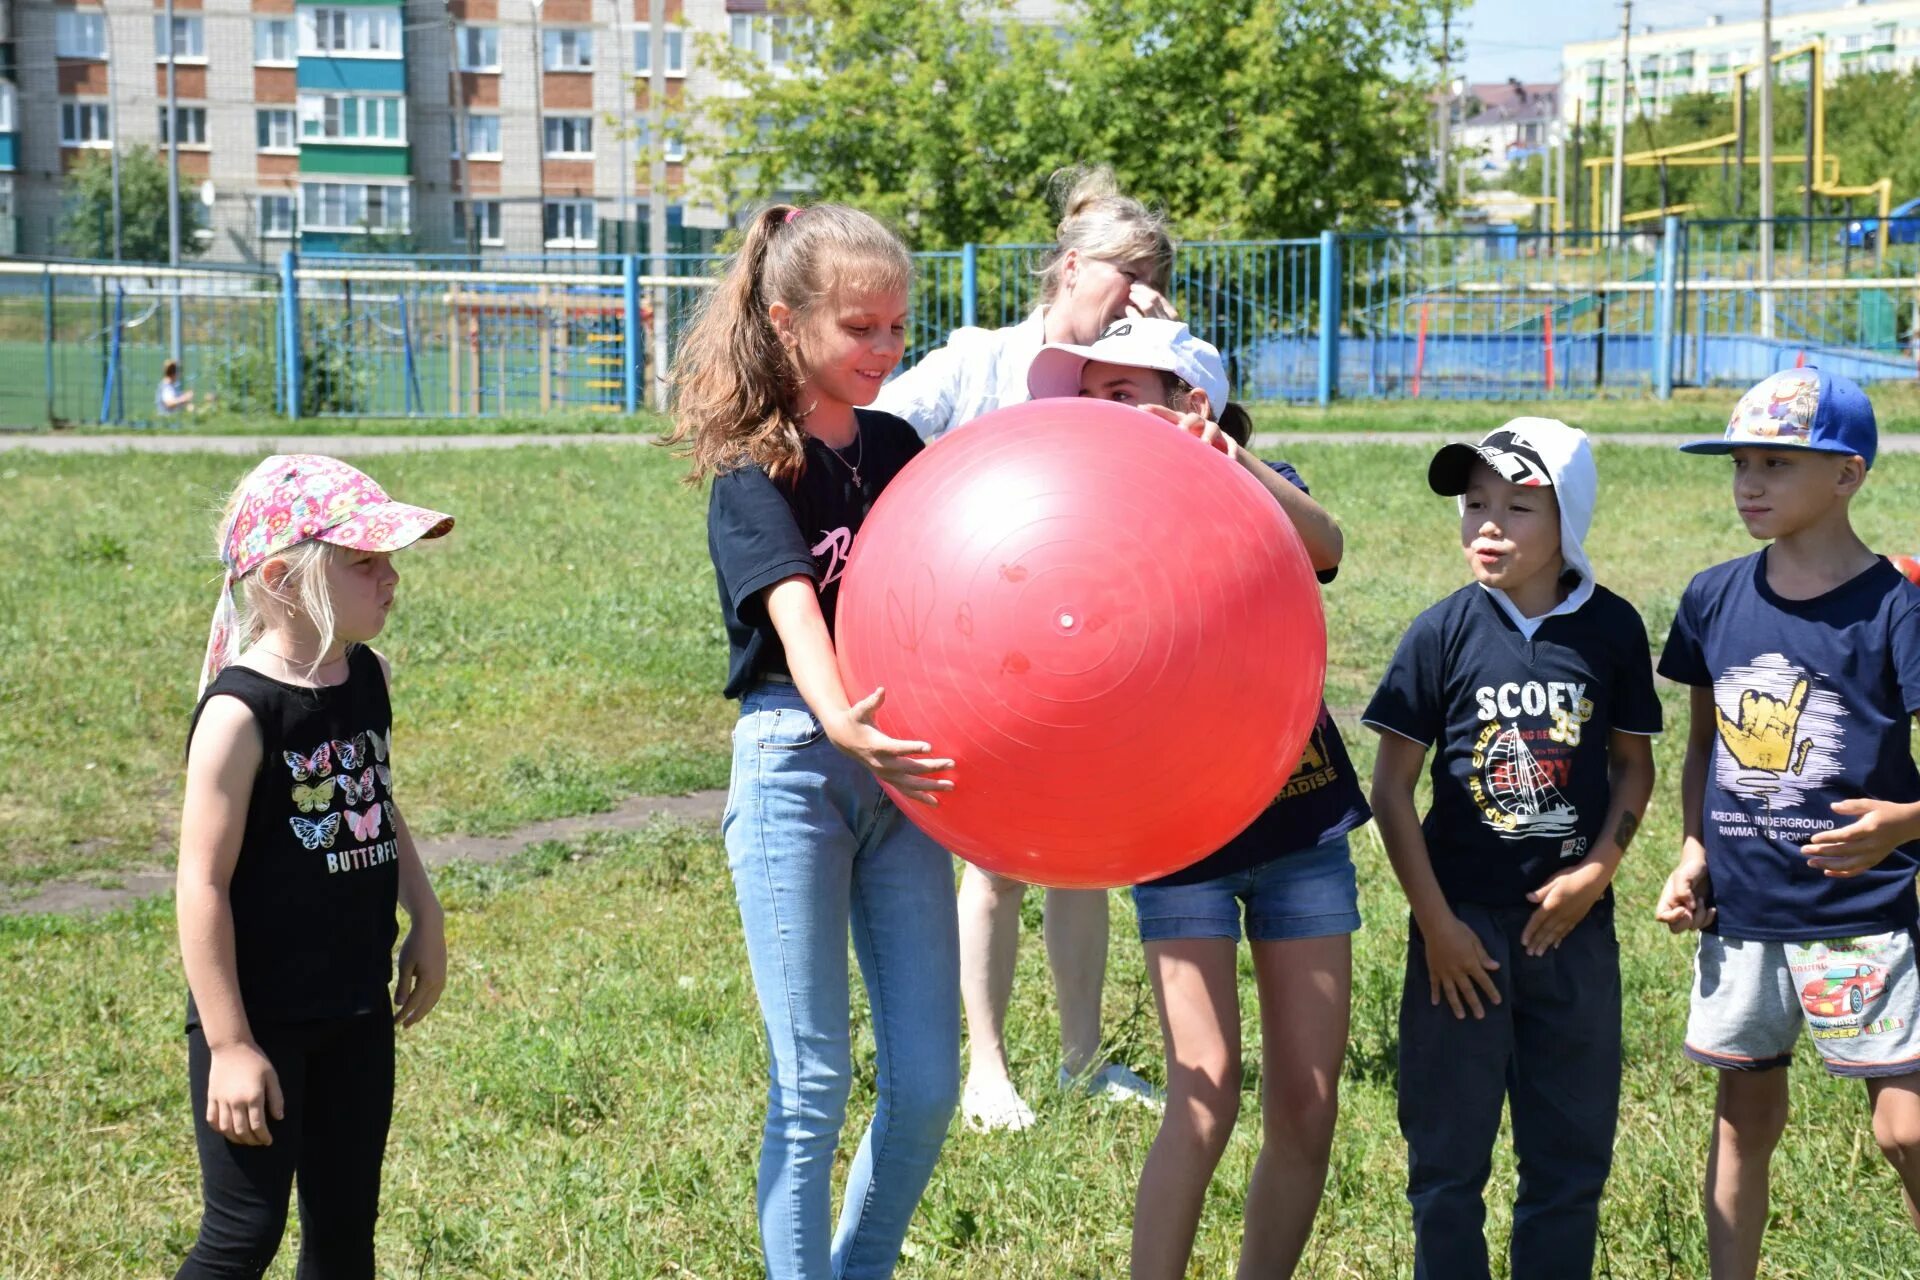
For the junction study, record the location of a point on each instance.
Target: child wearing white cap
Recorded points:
(1533, 687)
(1289, 876)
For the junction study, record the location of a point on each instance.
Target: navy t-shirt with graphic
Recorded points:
(1520, 733)
(1811, 705)
(760, 532)
(1320, 801)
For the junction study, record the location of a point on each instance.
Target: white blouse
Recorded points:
(976, 372)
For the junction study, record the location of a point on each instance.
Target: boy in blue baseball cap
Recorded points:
(1800, 799)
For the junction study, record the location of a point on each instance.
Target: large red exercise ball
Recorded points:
(1111, 629)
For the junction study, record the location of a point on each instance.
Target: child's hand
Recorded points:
(1684, 901)
(242, 1091)
(892, 761)
(1202, 429)
(1456, 963)
(1563, 902)
(1882, 827)
(423, 971)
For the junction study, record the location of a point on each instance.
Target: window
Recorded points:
(273, 41)
(9, 107)
(483, 136)
(275, 129)
(768, 37)
(85, 124)
(676, 52)
(352, 206)
(477, 222)
(569, 224)
(362, 32)
(342, 117)
(189, 38)
(675, 149)
(193, 125)
(569, 135)
(479, 48)
(567, 49)
(80, 34)
(276, 217)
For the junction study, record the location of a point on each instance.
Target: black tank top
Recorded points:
(317, 881)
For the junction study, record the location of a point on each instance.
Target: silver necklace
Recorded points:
(853, 467)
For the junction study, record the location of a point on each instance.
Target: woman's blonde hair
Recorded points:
(736, 385)
(302, 590)
(1099, 222)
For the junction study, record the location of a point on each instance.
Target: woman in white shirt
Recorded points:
(1112, 258)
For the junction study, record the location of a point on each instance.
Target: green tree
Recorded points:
(87, 230)
(935, 115)
(1256, 117)
(947, 117)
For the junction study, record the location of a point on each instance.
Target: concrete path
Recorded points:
(357, 446)
(79, 897)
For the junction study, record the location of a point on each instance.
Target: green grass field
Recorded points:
(586, 1101)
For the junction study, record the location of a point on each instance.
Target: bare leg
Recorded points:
(1896, 1127)
(1195, 988)
(1306, 990)
(1077, 954)
(989, 941)
(1748, 1119)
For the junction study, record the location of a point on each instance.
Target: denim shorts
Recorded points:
(1309, 894)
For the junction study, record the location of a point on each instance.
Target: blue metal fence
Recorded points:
(1395, 315)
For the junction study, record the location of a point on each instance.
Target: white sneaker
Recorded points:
(1116, 1083)
(987, 1108)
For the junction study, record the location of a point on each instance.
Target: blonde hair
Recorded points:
(1099, 222)
(302, 590)
(736, 385)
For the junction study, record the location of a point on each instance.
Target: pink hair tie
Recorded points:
(793, 215)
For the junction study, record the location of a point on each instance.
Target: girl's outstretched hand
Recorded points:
(1202, 429)
(243, 1089)
(901, 765)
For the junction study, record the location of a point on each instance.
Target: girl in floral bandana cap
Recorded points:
(292, 860)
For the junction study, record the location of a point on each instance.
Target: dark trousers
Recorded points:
(337, 1080)
(1551, 1050)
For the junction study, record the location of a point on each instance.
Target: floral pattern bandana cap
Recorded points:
(290, 499)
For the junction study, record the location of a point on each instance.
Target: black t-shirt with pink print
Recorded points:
(760, 532)
(317, 882)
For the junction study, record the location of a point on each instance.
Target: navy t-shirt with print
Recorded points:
(760, 531)
(1320, 801)
(1812, 700)
(1520, 733)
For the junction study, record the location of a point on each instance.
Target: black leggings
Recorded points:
(337, 1080)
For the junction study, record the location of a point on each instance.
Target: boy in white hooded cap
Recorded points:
(1533, 686)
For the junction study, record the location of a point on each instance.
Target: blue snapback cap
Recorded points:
(1799, 409)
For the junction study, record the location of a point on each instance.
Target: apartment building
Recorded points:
(486, 126)
(1668, 64)
(1499, 123)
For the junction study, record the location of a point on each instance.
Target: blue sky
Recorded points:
(1523, 37)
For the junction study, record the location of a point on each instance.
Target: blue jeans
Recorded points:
(816, 848)
(1551, 1051)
